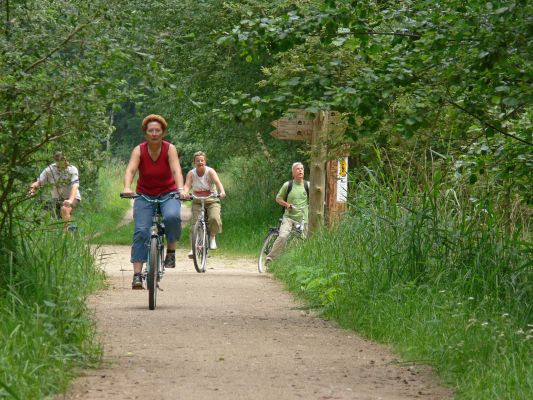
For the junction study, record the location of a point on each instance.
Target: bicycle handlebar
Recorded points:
(171, 195)
(211, 196)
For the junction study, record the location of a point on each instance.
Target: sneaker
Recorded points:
(190, 255)
(268, 260)
(212, 244)
(170, 260)
(137, 282)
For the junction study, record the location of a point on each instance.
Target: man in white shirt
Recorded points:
(63, 180)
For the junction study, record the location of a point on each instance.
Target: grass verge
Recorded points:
(442, 283)
(46, 330)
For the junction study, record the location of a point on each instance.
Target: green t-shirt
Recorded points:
(298, 198)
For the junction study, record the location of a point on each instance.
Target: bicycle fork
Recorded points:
(156, 233)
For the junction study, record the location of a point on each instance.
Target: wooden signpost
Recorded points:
(296, 126)
(323, 200)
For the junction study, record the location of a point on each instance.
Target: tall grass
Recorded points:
(103, 227)
(45, 278)
(249, 209)
(436, 275)
(46, 331)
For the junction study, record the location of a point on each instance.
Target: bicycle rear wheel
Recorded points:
(199, 247)
(151, 276)
(265, 249)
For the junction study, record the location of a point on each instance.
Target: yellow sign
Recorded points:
(342, 179)
(343, 168)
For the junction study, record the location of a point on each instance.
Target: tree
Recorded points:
(402, 69)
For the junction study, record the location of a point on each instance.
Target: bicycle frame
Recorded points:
(200, 234)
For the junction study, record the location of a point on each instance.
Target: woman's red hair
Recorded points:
(154, 118)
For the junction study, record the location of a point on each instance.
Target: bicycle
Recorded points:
(200, 235)
(298, 231)
(51, 214)
(154, 268)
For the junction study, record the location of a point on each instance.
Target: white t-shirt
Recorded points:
(60, 181)
(202, 183)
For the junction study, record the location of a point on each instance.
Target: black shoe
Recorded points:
(170, 260)
(137, 283)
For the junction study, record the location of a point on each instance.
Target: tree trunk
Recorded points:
(317, 184)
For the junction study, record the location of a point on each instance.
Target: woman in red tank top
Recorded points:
(158, 164)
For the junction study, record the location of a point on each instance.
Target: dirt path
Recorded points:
(232, 333)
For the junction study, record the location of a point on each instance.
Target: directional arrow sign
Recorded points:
(296, 126)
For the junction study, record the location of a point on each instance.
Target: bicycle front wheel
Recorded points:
(265, 249)
(199, 247)
(151, 276)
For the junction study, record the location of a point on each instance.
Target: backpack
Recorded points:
(289, 188)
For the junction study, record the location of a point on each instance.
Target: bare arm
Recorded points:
(37, 183)
(33, 187)
(283, 203)
(175, 167)
(214, 177)
(72, 195)
(187, 186)
(131, 169)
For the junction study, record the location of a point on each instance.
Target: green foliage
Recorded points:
(110, 184)
(197, 73)
(251, 185)
(450, 76)
(377, 52)
(433, 273)
(45, 331)
(56, 84)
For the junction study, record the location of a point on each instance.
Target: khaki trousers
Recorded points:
(284, 232)
(213, 214)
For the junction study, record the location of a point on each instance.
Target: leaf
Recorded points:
(293, 81)
(338, 41)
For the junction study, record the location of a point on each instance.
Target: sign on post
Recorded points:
(296, 126)
(342, 179)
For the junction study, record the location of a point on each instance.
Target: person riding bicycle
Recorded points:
(160, 175)
(296, 202)
(203, 180)
(63, 179)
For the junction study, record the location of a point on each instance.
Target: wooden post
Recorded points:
(317, 179)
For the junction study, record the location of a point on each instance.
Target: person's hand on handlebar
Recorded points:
(127, 193)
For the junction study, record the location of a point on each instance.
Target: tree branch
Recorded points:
(58, 47)
(488, 123)
(7, 20)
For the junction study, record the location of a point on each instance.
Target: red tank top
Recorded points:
(155, 177)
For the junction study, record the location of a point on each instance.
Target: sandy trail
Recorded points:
(232, 333)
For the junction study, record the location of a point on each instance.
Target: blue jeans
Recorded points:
(143, 212)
